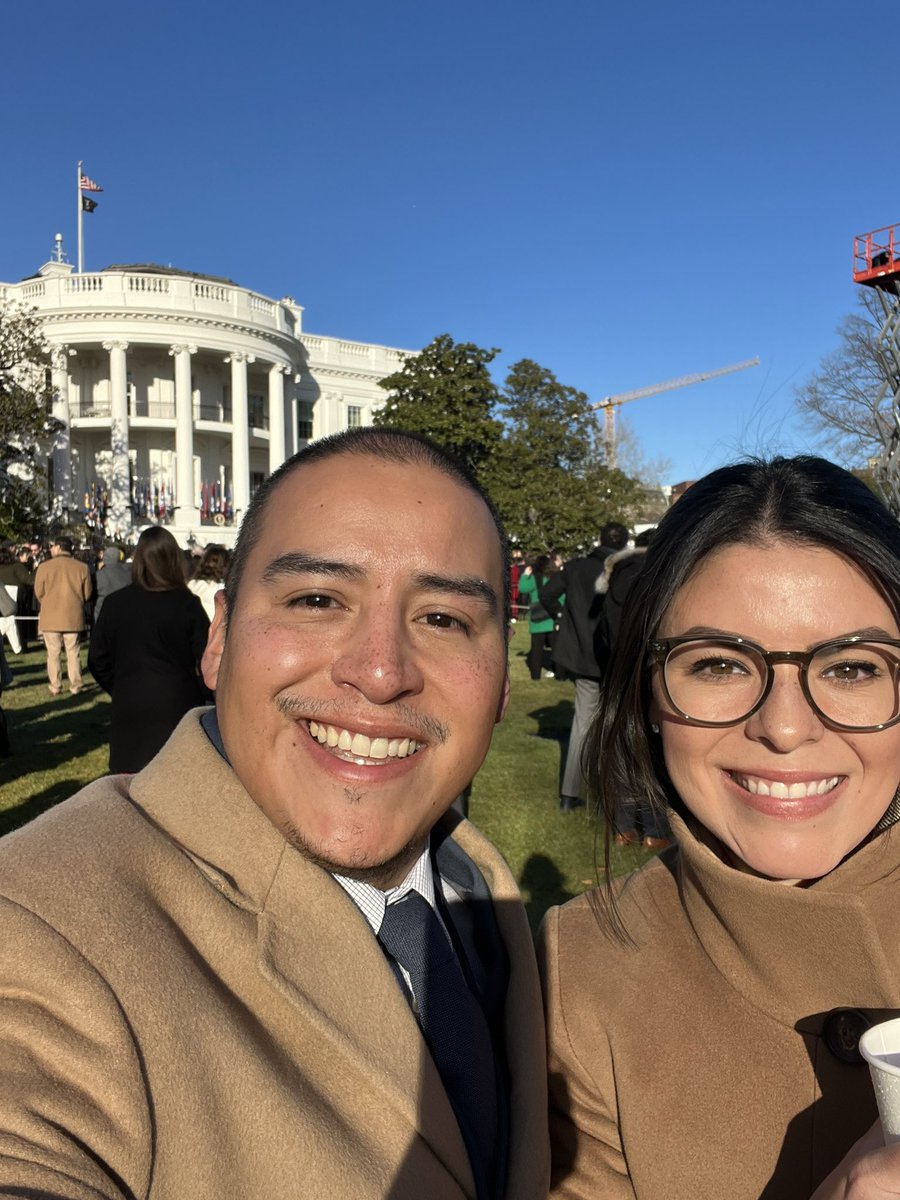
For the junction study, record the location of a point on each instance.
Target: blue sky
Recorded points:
(623, 192)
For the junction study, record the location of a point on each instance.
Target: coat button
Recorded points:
(843, 1029)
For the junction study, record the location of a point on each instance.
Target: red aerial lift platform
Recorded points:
(876, 258)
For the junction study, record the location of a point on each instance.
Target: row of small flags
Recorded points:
(155, 501)
(88, 185)
(214, 500)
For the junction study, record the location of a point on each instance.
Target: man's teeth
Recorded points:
(786, 791)
(361, 747)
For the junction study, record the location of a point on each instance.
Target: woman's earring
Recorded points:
(654, 729)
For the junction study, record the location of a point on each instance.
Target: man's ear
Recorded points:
(215, 643)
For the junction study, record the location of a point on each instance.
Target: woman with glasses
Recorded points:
(704, 1013)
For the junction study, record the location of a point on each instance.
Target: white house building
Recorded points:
(178, 393)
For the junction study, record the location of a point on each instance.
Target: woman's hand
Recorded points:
(870, 1171)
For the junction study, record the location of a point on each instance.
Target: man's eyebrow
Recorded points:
(298, 563)
(461, 585)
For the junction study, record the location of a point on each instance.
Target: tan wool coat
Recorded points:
(191, 1010)
(708, 1060)
(62, 585)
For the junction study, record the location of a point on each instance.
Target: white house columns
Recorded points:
(188, 514)
(61, 452)
(277, 442)
(240, 432)
(120, 484)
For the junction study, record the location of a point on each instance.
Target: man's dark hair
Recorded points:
(804, 501)
(391, 445)
(615, 535)
(65, 544)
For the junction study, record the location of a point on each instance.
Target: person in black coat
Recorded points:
(576, 651)
(16, 571)
(145, 651)
(619, 573)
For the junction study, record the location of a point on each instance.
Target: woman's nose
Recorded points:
(786, 720)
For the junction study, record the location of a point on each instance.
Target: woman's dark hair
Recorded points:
(158, 564)
(213, 563)
(804, 500)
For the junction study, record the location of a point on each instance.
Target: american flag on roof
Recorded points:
(88, 185)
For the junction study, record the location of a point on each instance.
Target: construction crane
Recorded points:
(609, 404)
(876, 264)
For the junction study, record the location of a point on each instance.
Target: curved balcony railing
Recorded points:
(138, 289)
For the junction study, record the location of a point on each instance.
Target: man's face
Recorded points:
(365, 662)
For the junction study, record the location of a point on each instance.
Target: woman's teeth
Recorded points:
(786, 791)
(359, 748)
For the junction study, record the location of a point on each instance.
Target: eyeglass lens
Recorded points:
(854, 685)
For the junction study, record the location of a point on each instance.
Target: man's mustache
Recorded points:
(335, 712)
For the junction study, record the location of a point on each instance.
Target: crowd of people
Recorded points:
(574, 610)
(275, 961)
(144, 612)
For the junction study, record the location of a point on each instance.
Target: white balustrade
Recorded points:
(158, 284)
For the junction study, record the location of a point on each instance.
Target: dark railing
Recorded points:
(90, 408)
(157, 410)
(164, 410)
(212, 412)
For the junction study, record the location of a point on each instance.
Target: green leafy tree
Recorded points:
(26, 423)
(550, 480)
(446, 393)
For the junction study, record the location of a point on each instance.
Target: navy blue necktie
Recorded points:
(453, 1024)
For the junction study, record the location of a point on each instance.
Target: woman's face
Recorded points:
(788, 795)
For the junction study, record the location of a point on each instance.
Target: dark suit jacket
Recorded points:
(575, 649)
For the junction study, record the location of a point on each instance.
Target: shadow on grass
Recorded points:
(554, 720)
(15, 818)
(26, 671)
(542, 885)
(46, 735)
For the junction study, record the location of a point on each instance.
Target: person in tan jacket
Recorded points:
(62, 586)
(200, 995)
(704, 1013)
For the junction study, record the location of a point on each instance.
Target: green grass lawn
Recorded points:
(60, 744)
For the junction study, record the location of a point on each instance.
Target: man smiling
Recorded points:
(272, 962)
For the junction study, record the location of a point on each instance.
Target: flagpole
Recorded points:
(80, 224)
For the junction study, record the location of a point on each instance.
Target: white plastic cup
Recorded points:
(880, 1047)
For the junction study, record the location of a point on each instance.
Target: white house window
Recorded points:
(304, 420)
(257, 417)
(354, 416)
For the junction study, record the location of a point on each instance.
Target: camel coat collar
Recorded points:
(249, 861)
(847, 915)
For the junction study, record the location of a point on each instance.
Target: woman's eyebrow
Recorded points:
(296, 562)
(873, 633)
